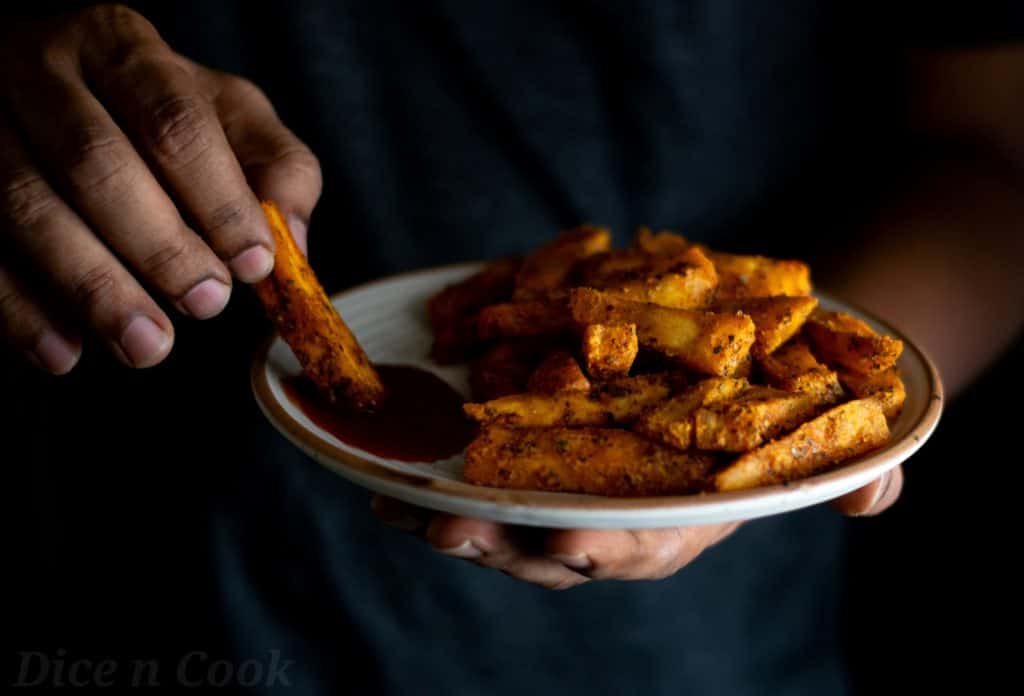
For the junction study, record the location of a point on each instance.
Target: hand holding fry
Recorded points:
(127, 183)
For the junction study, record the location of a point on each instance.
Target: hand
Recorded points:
(129, 174)
(559, 559)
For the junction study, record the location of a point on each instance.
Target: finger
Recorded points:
(643, 554)
(874, 498)
(278, 165)
(399, 515)
(154, 95)
(76, 264)
(25, 324)
(95, 165)
(500, 547)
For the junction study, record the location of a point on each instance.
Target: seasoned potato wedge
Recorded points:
(600, 269)
(491, 285)
(559, 371)
(750, 418)
(545, 316)
(550, 267)
(758, 276)
(885, 387)
(715, 344)
(504, 369)
(609, 349)
(671, 421)
(660, 243)
(456, 341)
(329, 353)
(686, 280)
(776, 319)
(453, 311)
(794, 368)
(739, 276)
(843, 340)
(583, 460)
(618, 401)
(845, 431)
(585, 387)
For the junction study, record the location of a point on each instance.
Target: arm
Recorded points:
(941, 259)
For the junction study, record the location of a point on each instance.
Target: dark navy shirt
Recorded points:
(448, 131)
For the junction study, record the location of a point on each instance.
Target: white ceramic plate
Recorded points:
(388, 317)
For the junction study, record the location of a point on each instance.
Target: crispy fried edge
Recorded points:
(326, 348)
(843, 432)
(598, 461)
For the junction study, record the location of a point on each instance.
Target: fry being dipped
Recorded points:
(329, 353)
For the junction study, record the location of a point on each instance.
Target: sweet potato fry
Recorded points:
(750, 418)
(539, 317)
(551, 266)
(843, 340)
(672, 421)
(491, 285)
(758, 276)
(776, 319)
(739, 276)
(598, 270)
(504, 369)
(885, 387)
(715, 344)
(585, 460)
(618, 401)
(686, 280)
(794, 368)
(329, 353)
(559, 371)
(845, 431)
(453, 310)
(659, 243)
(609, 349)
(455, 341)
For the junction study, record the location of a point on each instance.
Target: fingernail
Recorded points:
(206, 299)
(463, 550)
(580, 561)
(143, 342)
(881, 490)
(402, 520)
(54, 354)
(252, 264)
(299, 233)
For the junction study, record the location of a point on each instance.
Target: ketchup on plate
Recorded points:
(421, 420)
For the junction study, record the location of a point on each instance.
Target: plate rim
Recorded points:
(420, 488)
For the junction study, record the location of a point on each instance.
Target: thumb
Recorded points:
(278, 166)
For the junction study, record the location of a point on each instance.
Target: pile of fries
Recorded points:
(665, 368)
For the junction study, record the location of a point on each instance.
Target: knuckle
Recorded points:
(54, 56)
(177, 131)
(164, 260)
(243, 90)
(26, 199)
(97, 164)
(228, 215)
(94, 288)
(12, 306)
(114, 17)
(300, 162)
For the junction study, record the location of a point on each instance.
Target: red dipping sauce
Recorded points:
(421, 419)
